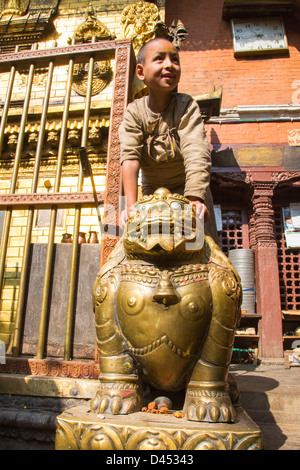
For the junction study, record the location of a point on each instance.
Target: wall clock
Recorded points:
(258, 36)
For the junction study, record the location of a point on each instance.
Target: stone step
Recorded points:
(270, 393)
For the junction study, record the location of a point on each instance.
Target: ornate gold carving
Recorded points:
(94, 437)
(51, 368)
(139, 21)
(97, 148)
(103, 75)
(119, 103)
(13, 7)
(39, 78)
(151, 440)
(92, 29)
(25, 22)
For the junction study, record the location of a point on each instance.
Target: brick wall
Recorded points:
(208, 60)
(253, 133)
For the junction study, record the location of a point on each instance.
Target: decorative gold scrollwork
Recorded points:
(92, 29)
(102, 77)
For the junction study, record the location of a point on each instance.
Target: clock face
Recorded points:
(258, 36)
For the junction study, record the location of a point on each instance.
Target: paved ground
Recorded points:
(271, 396)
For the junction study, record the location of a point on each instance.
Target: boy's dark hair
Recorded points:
(141, 56)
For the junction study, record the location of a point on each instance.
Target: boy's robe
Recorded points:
(172, 148)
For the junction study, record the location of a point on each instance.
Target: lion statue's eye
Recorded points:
(177, 205)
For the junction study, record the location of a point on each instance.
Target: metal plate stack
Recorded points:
(243, 261)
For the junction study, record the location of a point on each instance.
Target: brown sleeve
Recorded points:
(195, 152)
(131, 135)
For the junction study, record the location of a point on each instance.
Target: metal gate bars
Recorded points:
(119, 51)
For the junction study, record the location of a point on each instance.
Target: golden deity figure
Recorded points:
(167, 302)
(139, 21)
(13, 7)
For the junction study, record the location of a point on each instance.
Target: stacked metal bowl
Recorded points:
(243, 261)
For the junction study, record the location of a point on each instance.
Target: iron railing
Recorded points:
(121, 53)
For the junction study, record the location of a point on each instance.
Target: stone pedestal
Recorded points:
(81, 429)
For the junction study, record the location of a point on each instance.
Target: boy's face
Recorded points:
(161, 70)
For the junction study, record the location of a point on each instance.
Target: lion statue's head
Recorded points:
(161, 226)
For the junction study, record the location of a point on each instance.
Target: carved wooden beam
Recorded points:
(49, 199)
(232, 178)
(286, 178)
(122, 94)
(51, 368)
(102, 50)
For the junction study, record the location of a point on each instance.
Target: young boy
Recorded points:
(163, 135)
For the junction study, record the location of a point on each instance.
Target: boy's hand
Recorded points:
(201, 209)
(124, 216)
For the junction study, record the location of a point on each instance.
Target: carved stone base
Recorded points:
(80, 429)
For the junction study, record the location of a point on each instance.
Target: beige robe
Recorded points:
(171, 147)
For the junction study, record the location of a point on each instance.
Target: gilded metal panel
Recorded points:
(80, 430)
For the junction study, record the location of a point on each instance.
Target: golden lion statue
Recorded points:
(167, 303)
